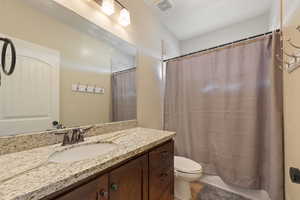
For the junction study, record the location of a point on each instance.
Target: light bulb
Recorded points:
(108, 7)
(124, 18)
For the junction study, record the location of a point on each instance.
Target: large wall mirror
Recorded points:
(69, 72)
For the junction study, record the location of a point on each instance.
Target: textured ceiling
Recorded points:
(189, 18)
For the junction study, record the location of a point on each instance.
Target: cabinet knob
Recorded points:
(164, 174)
(102, 194)
(114, 187)
(165, 155)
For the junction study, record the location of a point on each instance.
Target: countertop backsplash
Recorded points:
(23, 142)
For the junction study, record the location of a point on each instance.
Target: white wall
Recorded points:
(275, 15)
(290, 7)
(231, 33)
(121, 61)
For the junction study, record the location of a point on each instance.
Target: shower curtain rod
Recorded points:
(222, 45)
(125, 70)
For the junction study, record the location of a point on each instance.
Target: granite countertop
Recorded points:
(29, 175)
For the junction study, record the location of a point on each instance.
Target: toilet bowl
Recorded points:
(185, 172)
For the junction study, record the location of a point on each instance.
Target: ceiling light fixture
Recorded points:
(124, 18)
(108, 7)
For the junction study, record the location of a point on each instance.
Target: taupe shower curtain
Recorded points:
(124, 95)
(226, 107)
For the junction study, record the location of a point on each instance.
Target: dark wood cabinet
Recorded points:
(94, 190)
(148, 177)
(161, 172)
(127, 182)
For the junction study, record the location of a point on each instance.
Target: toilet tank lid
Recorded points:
(186, 165)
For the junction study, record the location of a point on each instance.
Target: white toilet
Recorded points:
(186, 171)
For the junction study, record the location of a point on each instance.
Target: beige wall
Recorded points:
(146, 33)
(292, 110)
(150, 92)
(84, 108)
(83, 60)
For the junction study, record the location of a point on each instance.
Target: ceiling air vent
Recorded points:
(163, 5)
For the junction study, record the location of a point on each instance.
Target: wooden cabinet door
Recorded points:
(130, 181)
(94, 190)
(161, 172)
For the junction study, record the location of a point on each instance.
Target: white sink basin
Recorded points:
(83, 152)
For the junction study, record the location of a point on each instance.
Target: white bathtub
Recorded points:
(216, 181)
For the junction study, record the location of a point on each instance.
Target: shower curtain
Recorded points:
(226, 107)
(124, 95)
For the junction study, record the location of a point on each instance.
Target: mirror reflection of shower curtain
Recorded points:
(226, 107)
(124, 95)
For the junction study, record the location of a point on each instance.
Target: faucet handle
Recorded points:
(81, 135)
(66, 139)
(82, 132)
(75, 136)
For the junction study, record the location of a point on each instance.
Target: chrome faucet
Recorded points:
(66, 139)
(77, 136)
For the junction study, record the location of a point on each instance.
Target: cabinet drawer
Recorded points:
(162, 157)
(148, 177)
(161, 185)
(161, 176)
(94, 190)
(161, 172)
(130, 181)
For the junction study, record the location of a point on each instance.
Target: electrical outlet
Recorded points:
(295, 175)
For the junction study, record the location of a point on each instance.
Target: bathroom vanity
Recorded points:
(148, 176)
(140, 167)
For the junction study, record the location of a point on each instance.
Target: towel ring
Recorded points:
(8, 43)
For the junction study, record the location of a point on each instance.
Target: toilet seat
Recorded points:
(186, 166)
(185, 172)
